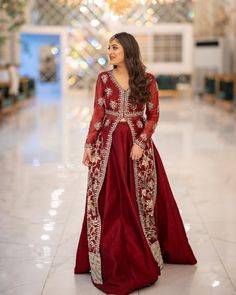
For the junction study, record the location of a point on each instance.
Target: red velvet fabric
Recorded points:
(127, 262)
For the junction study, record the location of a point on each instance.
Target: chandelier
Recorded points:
(70, 2)
(118, 7)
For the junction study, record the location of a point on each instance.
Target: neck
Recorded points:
(121, 69)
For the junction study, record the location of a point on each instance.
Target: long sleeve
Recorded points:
(98, 114)
(152, 115)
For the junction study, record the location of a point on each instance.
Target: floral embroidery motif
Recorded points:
(150, 105)
(107, 122)
(143, 136)
(108, 91)
(113, 104)
(104, 78)
(101, 101)
(97, 125)
(139, 124)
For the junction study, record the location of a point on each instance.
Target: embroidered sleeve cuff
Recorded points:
(140, 143)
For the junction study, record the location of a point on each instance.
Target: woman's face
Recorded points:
(115, 52)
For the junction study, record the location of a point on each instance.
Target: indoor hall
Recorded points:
(49, 66)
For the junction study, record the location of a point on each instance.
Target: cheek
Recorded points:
(121, 54)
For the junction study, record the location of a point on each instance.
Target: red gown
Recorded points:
(132, 223)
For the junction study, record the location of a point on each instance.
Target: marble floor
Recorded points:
(43, 186)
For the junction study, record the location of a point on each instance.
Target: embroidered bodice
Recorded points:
(112, 103)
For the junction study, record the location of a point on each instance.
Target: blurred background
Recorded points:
(60, 45)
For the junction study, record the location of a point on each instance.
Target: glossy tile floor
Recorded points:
(43, 186)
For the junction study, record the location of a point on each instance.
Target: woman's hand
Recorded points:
(87, 157)
(136, 152)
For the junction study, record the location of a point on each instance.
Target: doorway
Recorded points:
(40, 57)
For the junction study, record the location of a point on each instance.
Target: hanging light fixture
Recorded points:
(70, 2)
(120, 7)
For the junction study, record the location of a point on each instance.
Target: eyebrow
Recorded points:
(116, 44)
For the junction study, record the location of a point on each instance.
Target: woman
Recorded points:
(132, 223)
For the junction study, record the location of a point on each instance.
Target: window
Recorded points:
(167, 48)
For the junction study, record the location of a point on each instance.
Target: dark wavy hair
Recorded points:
(138, 80)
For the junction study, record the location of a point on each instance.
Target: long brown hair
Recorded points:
(138, 80)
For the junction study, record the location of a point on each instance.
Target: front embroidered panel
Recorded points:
(97, 171)
(146, 192)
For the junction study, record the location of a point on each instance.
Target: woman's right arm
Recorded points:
(96, 121)
(98, 114)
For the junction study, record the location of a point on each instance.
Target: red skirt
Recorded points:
(127, 261)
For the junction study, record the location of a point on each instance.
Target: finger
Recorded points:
(85, 160)
(89, 156)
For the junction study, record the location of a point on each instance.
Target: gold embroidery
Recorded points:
(101, 101)
(143, 136)
(108, 91)
(104, 78)
(113, 104)
(97, 125)
(150, 105)
(156, 251)
(139, 124)
(119, 113)
(95, 261)
(146, 191)
(107, 122)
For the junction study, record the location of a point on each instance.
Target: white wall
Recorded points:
(184, 67)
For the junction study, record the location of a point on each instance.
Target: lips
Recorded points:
(111, 57)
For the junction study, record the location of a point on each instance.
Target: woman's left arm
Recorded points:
(152, 115)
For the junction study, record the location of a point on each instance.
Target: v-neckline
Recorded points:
(117, 83)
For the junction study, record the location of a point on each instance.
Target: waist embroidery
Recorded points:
(126, 114)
